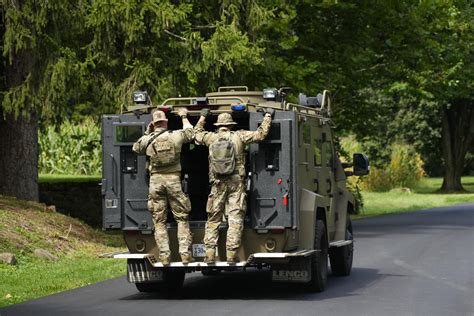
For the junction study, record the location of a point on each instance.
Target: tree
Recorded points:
(39, 53)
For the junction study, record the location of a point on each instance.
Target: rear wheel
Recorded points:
(319, 261)
(342, 257)
(210, 271)
(172, 281)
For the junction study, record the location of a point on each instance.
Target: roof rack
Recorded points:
(190, 101)
(233, 88)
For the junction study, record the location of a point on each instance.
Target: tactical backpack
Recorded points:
(222, 156)
(162, 151)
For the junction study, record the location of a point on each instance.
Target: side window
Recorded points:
(329, 156)
(317, 150)
(307, 134)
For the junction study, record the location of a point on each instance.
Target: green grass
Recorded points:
(26, 226)
(54, 178)
(34, 278)
(422, 197)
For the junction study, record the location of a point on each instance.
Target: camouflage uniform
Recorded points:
(228, 192)
(165, 188)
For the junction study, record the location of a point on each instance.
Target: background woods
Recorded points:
(401, 72)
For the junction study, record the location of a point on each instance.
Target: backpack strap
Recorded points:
(153, 138)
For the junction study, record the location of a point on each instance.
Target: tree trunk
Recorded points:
(18, 137)
(19, 157)
(457, 137)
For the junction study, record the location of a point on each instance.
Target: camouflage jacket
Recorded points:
(239, 138)
(179, 137)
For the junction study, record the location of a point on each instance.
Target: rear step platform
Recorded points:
(254, 258)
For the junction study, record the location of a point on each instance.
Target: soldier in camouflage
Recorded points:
(228, 190)
(163, 148)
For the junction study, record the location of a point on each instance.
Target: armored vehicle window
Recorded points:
(306, 134)
(128, 133)
(318, 155)
(328, 153)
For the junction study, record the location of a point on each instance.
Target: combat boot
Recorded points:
(165, 260)
(210, 256)
(187, 259)
(232, 257)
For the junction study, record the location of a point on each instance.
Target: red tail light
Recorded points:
(285, 199)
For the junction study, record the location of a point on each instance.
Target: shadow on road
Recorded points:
(257, 285)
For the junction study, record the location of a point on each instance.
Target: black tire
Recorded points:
(149, 287)
(319, 261)
(210, 272)
(341, 257)
(172, 281)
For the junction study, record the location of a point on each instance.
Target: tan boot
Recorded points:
(210, 256)
(232, 257)
(187, 259)
(165, 260)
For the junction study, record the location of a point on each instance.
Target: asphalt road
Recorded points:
(418, 263)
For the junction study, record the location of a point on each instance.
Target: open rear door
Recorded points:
(273, 194)
(125, 179)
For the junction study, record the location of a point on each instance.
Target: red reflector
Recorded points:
(277, 231)
(285, 200)
(280, 181)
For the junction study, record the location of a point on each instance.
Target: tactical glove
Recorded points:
(270, 111)
(205, 112)
(183, 112)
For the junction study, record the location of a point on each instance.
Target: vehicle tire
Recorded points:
(319, 261)
(210, 272)
(341, 257)
(149, 287)
(172, 281)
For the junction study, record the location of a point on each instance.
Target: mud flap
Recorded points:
(140, 271)
(296, 270)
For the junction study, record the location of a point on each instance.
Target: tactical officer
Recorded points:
(163, 148)
(226, 174)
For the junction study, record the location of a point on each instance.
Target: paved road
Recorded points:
(419, 263)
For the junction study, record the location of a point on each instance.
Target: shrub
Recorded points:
(405, 170)
(73, 148)
(403, 166)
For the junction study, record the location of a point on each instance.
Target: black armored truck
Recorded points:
(298, 206)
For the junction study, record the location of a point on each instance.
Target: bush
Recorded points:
(405, 170)
(71, 149)
(402, 167)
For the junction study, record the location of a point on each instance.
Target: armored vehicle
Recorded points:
(298, 205)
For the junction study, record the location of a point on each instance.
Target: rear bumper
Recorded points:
(256, 258)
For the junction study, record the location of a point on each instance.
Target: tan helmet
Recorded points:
(159, 116)
(224, 119)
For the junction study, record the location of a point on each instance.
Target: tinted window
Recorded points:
(328, 153)
(128, 133)
(307, 134)
(318, 155)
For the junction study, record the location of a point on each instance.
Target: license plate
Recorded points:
(199, 251)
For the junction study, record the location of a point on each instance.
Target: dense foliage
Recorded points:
(400, 71)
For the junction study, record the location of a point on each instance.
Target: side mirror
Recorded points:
(361, 164)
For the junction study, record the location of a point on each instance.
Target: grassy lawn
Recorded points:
(33, 278)
(26, 226)
(422, 197)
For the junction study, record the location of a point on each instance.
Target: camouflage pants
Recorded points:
(227, 194)
(166, 189)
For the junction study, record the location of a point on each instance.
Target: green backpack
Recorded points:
(162, 152)
(222, 156)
